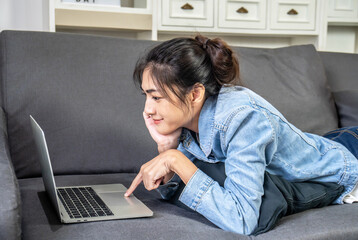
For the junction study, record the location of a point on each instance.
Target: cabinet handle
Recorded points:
(187, 6)
(242, 10)
(292, 12)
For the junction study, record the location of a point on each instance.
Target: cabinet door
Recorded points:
(193, 13)
(249, 14)
(293, 14)
(343, 8)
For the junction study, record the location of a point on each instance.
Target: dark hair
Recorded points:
(180, 63)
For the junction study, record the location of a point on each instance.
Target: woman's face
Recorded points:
(166, 115)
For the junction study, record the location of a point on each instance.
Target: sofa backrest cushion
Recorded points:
(342, 75)
(347, 107)
(80, 90)
(293, 80)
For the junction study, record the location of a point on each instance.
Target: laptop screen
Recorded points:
(46, 168)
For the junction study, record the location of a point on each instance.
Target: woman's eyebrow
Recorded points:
(149, 90)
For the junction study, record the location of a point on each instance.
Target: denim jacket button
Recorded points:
(188, 143)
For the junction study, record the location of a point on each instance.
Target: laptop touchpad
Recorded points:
(115, 199)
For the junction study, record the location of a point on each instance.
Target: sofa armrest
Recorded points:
(10, 201)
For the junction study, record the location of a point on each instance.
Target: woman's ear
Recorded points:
(197, 94)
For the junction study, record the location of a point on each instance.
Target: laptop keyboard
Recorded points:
(83, 202)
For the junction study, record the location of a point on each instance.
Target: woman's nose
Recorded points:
(149, 108)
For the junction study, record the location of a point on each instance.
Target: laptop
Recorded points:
(85, 203)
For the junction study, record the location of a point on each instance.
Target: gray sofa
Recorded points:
(80, 90)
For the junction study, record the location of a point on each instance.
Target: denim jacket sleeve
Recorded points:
(247, 141)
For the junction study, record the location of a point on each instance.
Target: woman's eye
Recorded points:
(156, 98)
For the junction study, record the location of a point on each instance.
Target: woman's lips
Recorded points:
(157, 121)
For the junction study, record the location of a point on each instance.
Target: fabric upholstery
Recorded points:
(79, 88)
(40, 221)
(347, 106)
(342, 74)
(10, 201)
(169, 221)
(296, 87)
(80, 91)
(341, 70)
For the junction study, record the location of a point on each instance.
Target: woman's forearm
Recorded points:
(163, 149)
(183, 167)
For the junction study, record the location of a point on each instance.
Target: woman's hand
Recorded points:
(153, 172)
(164, 142)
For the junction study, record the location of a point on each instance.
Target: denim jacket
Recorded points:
(246, 132)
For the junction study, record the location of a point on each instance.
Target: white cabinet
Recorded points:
(331, 25)
(342, 12)
(342, 22)
(188, 13)
(250, 14)
(256, 23)
(343, 9)
(274, 17)
(293, 14)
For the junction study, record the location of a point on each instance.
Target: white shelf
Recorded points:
(99, 19)
(342, 22)
(103, 19)
(101, 8)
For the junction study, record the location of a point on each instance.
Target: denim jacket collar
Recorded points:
(206, 127)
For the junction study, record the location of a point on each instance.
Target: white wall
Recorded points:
(24, 15)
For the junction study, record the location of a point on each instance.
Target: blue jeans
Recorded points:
(347, 136)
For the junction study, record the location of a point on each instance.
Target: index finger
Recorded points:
(137, 180)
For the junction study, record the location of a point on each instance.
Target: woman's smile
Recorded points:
(157, 121)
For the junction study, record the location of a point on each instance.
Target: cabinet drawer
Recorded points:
(343, 8)
(197, 13)
(249, 14)
(293, 15)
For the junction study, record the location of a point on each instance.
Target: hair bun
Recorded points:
(225, 65)
(205, 45)
(203, 41)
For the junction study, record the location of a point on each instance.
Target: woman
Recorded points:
(195, 109)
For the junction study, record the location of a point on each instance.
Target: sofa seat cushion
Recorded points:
(169, 221)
